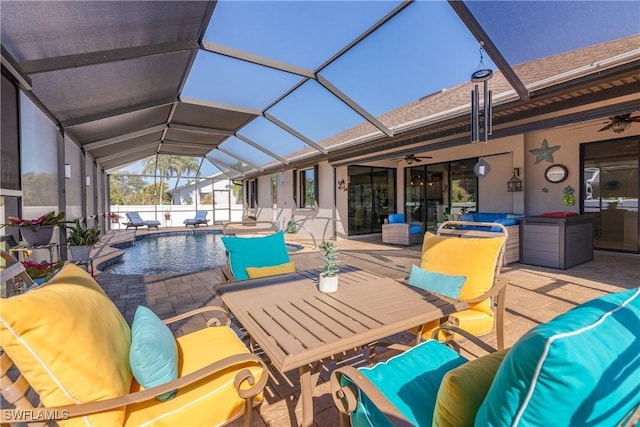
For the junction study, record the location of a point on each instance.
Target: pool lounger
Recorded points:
(136, 221)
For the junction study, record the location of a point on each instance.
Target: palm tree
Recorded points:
(169, 166)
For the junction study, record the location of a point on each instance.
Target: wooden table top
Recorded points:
(295, 324)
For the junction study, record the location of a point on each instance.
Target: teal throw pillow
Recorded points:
(153, 356)
(580, 369)
(255, 252)
(443, 284)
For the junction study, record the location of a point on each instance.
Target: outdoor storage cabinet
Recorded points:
(557, 242)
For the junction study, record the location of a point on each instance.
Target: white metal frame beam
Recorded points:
(101, 57)
(261, 148)
(124, 137)
(126, 152)
(118, 111)
(243, 160)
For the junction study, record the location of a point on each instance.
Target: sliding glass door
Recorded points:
(610, 192)
(371, 198)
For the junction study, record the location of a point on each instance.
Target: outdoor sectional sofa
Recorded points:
(511, 221)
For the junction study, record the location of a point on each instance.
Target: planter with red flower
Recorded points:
(38, 231)
(43, 271)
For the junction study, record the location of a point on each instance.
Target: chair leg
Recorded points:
(248, 412)
(500, 317)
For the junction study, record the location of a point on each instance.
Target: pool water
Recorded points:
(183, 253)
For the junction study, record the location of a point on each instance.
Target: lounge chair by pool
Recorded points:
(200, 219)
(136, 221)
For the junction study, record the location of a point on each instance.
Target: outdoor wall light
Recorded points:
(87, 180)
(619, 126)
(515, 183)
(67, 171)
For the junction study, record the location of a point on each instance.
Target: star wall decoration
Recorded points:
(544, 152)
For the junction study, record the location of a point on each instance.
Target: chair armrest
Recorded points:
(499, 285)
(346, 401)
(451, 330)
(244, 376)
(210, 322)
(226, 275)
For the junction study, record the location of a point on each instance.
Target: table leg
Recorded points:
(309, 375)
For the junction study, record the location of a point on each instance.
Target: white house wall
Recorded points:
(503, 155)
(569, 139)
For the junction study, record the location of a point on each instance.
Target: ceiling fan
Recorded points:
(410, 158)
(619, 123)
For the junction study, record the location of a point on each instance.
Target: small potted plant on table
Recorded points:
(81, 240)
(328, 281)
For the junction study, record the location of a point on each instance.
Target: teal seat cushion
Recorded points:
(263, 251)
(153, 356)
(580, 369)
(443, 284)
(410, 381)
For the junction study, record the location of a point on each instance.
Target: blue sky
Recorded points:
(423, 49)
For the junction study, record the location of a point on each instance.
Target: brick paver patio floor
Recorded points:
(535, 295)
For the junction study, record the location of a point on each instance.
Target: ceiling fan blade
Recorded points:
(634, 119)
(606, 127)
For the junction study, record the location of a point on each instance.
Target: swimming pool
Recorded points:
(185, 252)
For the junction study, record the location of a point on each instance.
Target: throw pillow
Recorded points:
(474, 258)
(70, 342)
(287, 267)
(154, 353)
(255, 252)
(443, 284)
(579, 369)
(463, 389)
(396, 218)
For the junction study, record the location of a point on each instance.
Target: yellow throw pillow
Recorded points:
(70, 342)
(463, 390)
(255, 272)
(475, 258)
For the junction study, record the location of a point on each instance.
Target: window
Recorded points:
(308, 189)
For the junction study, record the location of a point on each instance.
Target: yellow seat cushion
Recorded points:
(473, 321)
(475, 258)
(463, 390)
(272, 270)
(208, 402)
(70, 342)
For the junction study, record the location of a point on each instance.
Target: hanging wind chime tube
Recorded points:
(481, 115)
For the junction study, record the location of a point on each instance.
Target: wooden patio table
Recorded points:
(298, 326)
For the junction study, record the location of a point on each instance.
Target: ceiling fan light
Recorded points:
(619, 126)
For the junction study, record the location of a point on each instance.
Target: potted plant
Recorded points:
(41, 272)
(38, 231)
(167, 215)
(114, 217)
(81, 240)
(328, 281)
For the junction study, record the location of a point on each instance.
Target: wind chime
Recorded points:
(481, 114)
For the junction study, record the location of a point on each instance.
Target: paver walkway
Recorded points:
(535, 295)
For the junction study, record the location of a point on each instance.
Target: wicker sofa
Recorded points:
(511, 221)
